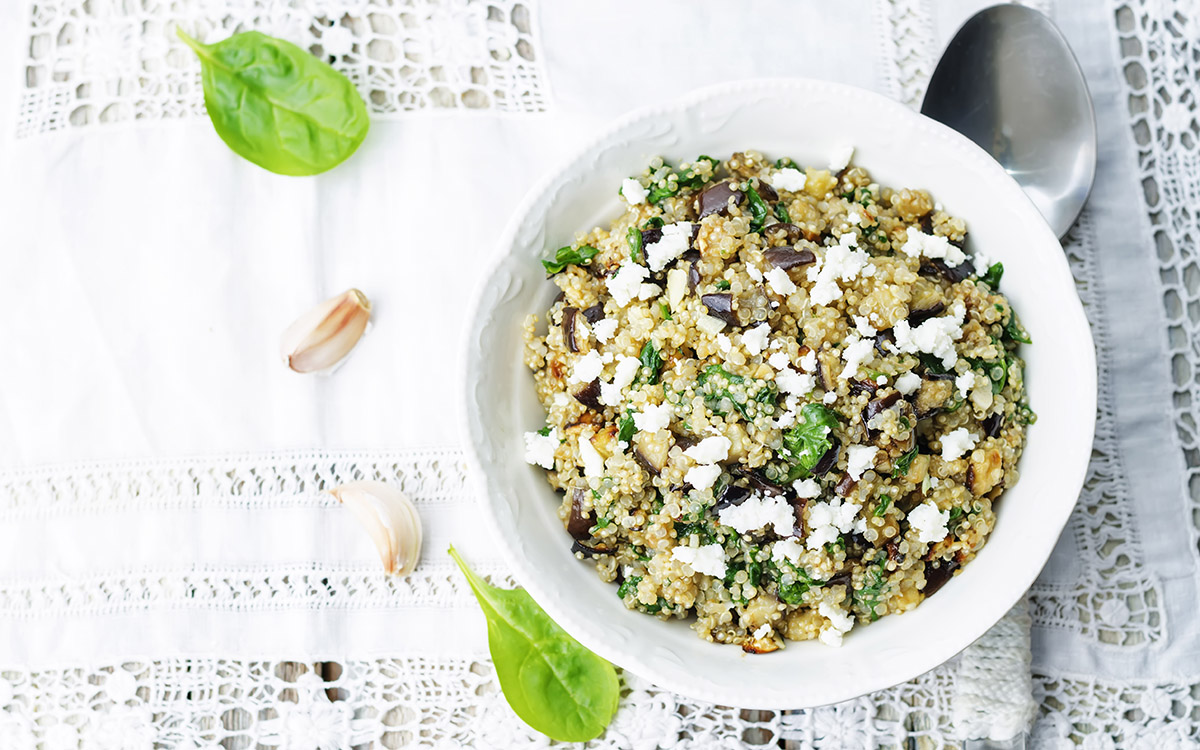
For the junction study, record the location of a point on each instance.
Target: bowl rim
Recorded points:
(942, 649)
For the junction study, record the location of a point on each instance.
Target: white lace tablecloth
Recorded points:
(171, 574)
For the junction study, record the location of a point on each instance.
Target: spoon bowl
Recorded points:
(1009, 81)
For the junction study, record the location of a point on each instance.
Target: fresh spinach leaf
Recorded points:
(666, 310)
(654, 222)
(625, 428)
(545, 431)
(1016, 332)
(567, 256)
(277, 106)
(904, 462)
(693, 179)
(714, 385)
(791, 580)
(628, 586)
(874, 581)
(781, 213)
(635, 244)
(652, 363)
(885, 501)
(804, 444)
(723, 284)
(993, 276)
(553, 683)
(785, 163)
(758, 208)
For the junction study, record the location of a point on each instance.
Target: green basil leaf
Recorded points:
(884, 502)
(276, 105)
(904, 462)
(804, 444)
(567, 256)
(553, 683)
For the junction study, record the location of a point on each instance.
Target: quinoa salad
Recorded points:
(781, 400)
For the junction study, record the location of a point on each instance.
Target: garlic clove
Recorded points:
(390, 519)
(323, 336)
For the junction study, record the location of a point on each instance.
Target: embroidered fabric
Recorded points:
(99, 64)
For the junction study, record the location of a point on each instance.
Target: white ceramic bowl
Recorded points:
(806, 120)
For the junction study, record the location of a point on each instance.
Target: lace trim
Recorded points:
(281, 480)
(906, 31)
(103, 63)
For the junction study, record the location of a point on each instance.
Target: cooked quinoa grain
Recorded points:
(778, 399)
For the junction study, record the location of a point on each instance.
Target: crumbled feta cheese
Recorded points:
(842, 262)
(758, 511)
(593, 462)
(724, 344)
(881, 380)
(964, 383)
(763, 631)
(653, 418)
(709, 559)
(779, 360)
(755, 339)
(625, 284)
(710, 450)
(649, 291)
(788, 549)
(840, 623)
(632, 191)
(710, 325)
(864, 327)
(855, 353)
(611, 394)
(808, 362)
(539, 449)
(840, 158)
(790, 381)
(702, 477)
(675, 240)
(606, 357)
(587, 368)
(956, 443)
(754, 272)
(859, 458)
(908, 383)
(929, 522)
(561, 400)
(982, 261)
(604, 329)
(806, 488)
(932, 246)
(789, 179)
(780, 282)
(776, 344)
(935, 336)
(826, 520)
(677, 285)
(829, 398)
(853, 218)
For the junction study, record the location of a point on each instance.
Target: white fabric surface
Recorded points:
(147, 272)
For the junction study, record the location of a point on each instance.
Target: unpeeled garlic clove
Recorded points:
(323, 336)
(391, 520)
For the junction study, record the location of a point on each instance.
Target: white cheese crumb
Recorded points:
(653, 418)
(864, 327)
(853, 218)
(935, 336)
(632, 191)
(790, 381)
(754, 272)
(932, 246)
(593, 462)
(539, 449)
(840, 623)
(649, 291)
(587, 368)
(826, 520)
(606, 357)
(702, 477)
(776, 344)
(709, 559)
(763, 631)
(611, 394)
(829, 398)
(710, 450)
(779, 360)
(561, 400)
(780, 282)
(625, 284)
(842, 262)
(956, 443)
(964, 383)
(724, 344)
(806, 488)
(859, 458)
(758, 511)
(789, 179)
(855, 353)
(881, 380)
(788, 549)
(908, 383)
(808, 362)
(675, 240)
(604, 329)
(840, 158)
(929, 522)
(755, 339)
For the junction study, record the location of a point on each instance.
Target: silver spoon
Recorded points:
(1009, 82)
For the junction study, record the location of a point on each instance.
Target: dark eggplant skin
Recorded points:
(767, 193)
(789, 233)
(594, 313)
(864, 386)
(650, 236)
(589, 395)
(937, 575)
(730, 496)
(579, 523)
(720, 306)
(568, 327)
(845, 486)
(879, 405)
(827, 461)
(644, 462)
(578, 547)
(935, 267)
(917, 317)
(882, 339)
(788, 257)
(714, 199)
(992, 424)
(762, 484)
(692, 258)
